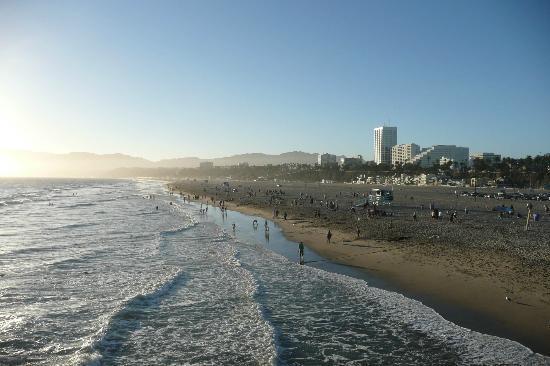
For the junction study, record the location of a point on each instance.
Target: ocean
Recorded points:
(91, 273)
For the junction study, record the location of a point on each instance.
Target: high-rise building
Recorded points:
(403, 153)
(384, 139)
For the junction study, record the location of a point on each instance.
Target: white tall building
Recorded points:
(432, 155)
(384, 139)
(403, 153)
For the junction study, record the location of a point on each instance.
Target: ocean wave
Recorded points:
(216, 310)
(74, 226)
(35, 250)
(177, 230)
(16, 201)
(117, 232)
(76, 205)
(240, 286)
(472, 347)
(84, 255)
(106, 199)
(128, 319)
(148, 213)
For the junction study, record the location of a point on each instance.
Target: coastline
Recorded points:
(470, 294)
(431, 283)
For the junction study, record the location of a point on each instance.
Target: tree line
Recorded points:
(521, 173)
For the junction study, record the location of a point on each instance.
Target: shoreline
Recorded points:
(405, 281)
(468, 294)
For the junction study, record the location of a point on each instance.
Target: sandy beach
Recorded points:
(472, 263)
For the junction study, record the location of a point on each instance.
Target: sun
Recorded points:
(8, 166)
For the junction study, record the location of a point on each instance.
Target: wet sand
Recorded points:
(471, 264)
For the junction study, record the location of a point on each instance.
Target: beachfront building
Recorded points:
(432, 155)
(384, 139)
(206, 164)
(489, 158)
(326, 159)
(352, 162)
(401, 154)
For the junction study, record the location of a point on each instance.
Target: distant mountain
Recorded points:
(83, 164)
(295, 157)
(75, 164)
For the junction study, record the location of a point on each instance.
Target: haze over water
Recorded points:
(92, 273)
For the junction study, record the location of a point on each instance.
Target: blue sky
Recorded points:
(163, 79)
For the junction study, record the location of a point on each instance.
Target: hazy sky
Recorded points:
(202, 78)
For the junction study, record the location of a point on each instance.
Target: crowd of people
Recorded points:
(356, 206)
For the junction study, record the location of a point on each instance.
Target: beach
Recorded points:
(121, 272)
(465, 268)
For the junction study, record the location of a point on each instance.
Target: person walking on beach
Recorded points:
(329, 235)
(301, 249)
(414, 215)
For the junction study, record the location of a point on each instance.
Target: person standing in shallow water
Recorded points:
(301, 249)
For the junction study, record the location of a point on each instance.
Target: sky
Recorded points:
(165, 79)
